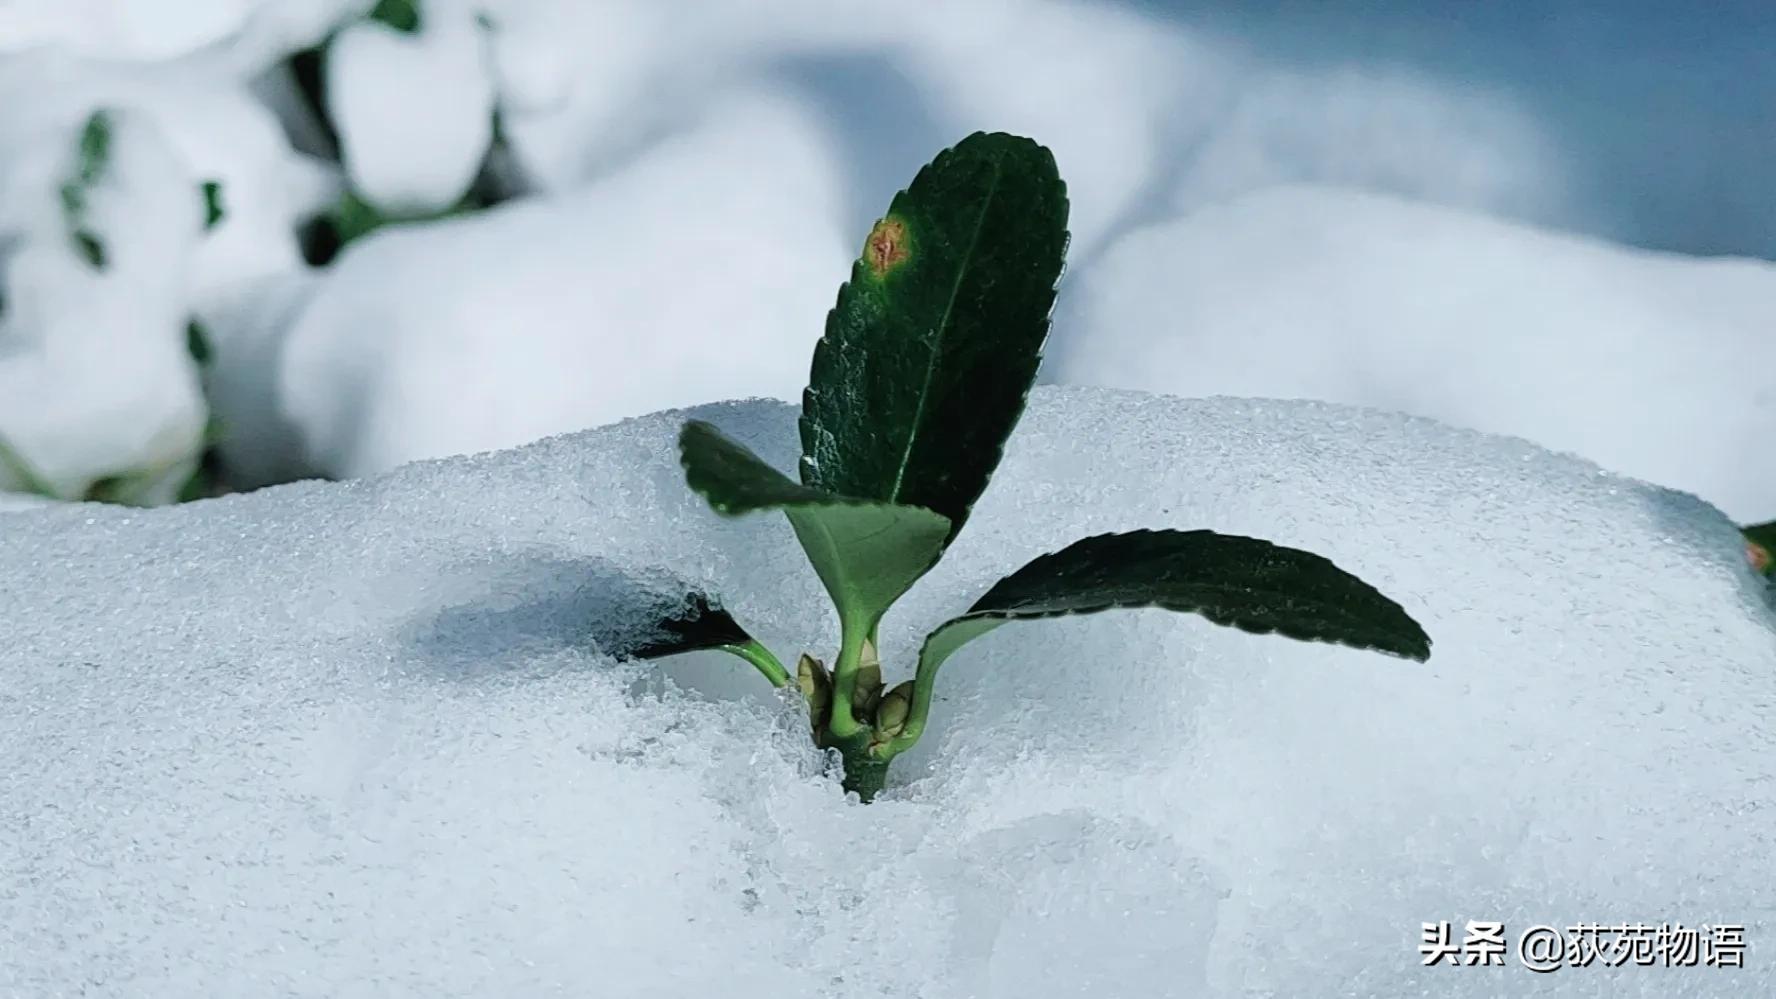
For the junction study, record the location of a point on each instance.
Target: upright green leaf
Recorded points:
(867, 554)
(1244, 583)
(931, 350)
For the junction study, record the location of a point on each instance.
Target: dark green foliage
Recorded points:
(1243, 583)
(935, 340)
(867, 554)
(90, 248)
(93, 158)
(915, 387)
(29, 481)
(402, 15)
(95, 147)
(197, 343)
(699, 623)
(214, 210)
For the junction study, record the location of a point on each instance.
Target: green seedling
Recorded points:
(923, 371)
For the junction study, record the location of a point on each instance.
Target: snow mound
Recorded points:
(1140, 110)
(240, 37)
(95, 376)
(95, 380)
(1658, 366)
(659, 287)
(414, 111)
(351, 739)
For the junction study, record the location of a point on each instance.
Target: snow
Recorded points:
(787, 124)
(97, 378)
(16, 502)
(118, 28)
(1378, 128)
(1655, 365)
(349, 739)
(656, 288)
(94, 378)
(414, 111)
(243, 36)
(1139, 110)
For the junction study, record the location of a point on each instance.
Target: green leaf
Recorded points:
(1244, 583)
(214, 211)
(354, 218)
(931, 350)
(197, 343)
(93, 157)
(695, 623)
(867, 554)
(95, 147)
(207, 479)
(90, 247)
(73, 203)
(29, 481)
(401, 15)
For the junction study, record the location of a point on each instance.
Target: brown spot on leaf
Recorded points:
(886, 246)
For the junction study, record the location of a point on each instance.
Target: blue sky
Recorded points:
(1666, 111)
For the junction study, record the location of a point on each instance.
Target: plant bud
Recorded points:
(891, 714)
(815, 684)
(869, 682)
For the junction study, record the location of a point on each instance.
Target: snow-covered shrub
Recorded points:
(154, 215)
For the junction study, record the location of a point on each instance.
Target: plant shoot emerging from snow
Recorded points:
(916, 386)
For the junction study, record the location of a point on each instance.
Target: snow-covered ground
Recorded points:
(1655, 365)
(654, 288)
(690, 182)
(350, 739)
(358, 739)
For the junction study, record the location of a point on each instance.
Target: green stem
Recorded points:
(852, 634)
(760, 657)
(919, 708)
(864, 773)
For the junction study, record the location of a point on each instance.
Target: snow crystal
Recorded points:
(353, 739)
(1654, 365)
(704, 270)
